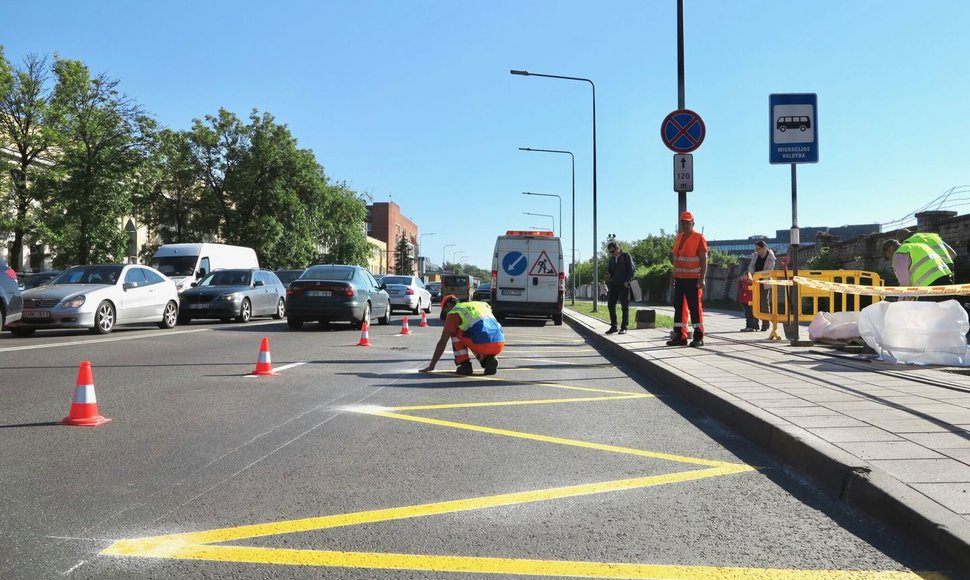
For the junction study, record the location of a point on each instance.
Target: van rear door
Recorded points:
(545, 257)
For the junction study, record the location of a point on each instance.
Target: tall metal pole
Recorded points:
(572, 159)
(443, 254)
(681, 91)
(795, 307)
(595, 235)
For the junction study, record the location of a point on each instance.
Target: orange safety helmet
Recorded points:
(686, 216)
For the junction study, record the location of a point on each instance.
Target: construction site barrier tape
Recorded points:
(950, 290)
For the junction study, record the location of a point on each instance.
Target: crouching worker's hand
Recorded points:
(426, 369)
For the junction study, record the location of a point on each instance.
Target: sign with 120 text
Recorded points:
(684, 172)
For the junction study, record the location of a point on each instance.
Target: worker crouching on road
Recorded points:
(469, 326)
(690, 272)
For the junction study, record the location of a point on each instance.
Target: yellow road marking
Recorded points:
(526, 402)
(556, 568)
(560, 441)
(157, 545)
(545, 384)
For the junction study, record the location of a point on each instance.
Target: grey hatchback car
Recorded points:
(11, 303)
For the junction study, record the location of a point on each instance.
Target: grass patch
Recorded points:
(586, 307)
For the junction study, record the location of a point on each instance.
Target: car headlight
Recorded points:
(229, 297)
(75, 302)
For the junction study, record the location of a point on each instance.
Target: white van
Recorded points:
(527, 275)
(186, 263)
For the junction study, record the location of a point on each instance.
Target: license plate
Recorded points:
(511, 292)
(36, 314)
(319, 293)
(198, 306)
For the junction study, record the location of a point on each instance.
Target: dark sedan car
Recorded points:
(237, 293)
(329, 292)
(288, 275)
(483, 292)
(10, 301)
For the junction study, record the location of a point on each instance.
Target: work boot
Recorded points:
(698, 339)
(490, 364)
(677, 342)
(765, 325)
(464, 368)
(612, 330)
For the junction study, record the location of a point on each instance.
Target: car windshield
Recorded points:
(337, 273)
(227, 278)
(406, 280)
(89, 275)
(483, 287)
(35, 280)
(175, 265)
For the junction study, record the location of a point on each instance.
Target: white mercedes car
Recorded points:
(98, 298)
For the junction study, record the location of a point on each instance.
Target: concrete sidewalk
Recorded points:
(890, 440)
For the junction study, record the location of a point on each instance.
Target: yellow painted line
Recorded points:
(526, 402)
(560, 441)
(556, 568)
(548, 384)
(160, 546)
(560, 362)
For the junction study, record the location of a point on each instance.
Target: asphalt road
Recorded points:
(351, 464)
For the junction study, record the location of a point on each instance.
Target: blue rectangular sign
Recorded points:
(793, 128)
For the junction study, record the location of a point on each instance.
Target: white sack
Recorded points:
(924, 333)
(834, 326)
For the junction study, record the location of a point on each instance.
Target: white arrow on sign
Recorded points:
(683, 172)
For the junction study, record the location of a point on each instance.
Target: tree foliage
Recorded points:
(404, 263)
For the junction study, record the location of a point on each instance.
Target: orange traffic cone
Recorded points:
(364, 339)
(424, 320)
(84, 407)
(404, 326)
(264, 365)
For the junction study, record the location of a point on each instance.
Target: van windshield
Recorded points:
(175, 265)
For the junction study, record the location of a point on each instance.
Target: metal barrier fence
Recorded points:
(771, 293)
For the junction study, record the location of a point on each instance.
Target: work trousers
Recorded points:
(687, 298)
(623, 294)
(461, 344)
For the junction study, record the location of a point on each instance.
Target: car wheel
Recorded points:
(364, 318)
(280, 310)
(294, 322)
(386, 319)
(245, 311)
(104, 318)
(170, 316)
(22, 332)
(557, 319)
(416, 309)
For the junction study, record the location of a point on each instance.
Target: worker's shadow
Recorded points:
(439, 379)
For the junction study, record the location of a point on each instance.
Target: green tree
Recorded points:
(404, 263)
(27, 119)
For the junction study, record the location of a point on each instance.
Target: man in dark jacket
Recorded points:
(620, 272)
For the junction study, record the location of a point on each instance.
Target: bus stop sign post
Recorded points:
(793, 139)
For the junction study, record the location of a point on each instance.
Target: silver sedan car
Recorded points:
(407, 293)
(98, 298)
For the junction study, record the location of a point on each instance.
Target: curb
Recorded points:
(839, 474)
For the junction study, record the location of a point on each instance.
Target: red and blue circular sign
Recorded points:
(682, 131)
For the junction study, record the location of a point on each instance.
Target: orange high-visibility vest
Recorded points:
(687, 261)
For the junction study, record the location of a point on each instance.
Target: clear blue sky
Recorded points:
(412, 101)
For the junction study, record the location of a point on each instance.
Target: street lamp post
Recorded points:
(575, 274)
(443, 254)
(454, 257)
(550, 195)
(526, 73)
(421, 249)
(550, 216)
(573, 160)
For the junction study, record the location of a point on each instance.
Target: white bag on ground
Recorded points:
(924, 333)
(834, 326)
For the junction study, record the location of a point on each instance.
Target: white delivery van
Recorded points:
(186, 263)
(527, 275)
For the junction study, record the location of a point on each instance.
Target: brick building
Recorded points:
(386, 223)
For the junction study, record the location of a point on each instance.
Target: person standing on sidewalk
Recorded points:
(620, 273)
(762, 260)
(690, 273)
(744, 297)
